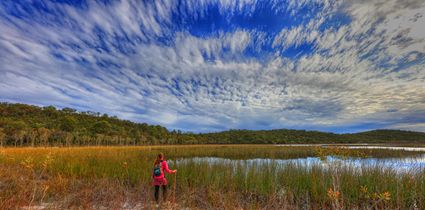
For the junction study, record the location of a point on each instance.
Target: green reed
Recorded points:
(340, 184)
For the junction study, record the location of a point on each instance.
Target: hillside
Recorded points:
(285, 136)
(28, 125)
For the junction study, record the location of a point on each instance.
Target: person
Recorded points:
(158, 175)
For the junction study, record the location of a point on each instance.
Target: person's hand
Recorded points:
(175, 171)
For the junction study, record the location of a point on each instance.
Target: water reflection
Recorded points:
(356, 146)
(400, 165)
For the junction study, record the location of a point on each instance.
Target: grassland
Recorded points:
(117, 177)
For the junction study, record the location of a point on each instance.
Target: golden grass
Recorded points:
(112, 177)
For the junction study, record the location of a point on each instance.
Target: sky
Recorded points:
(206, 66)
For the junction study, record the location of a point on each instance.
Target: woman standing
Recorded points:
(160, 165)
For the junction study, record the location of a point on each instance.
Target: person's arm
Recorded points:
(166, 169)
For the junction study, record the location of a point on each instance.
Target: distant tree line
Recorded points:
(287, 136)
(28, 125)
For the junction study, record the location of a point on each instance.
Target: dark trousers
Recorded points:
(164, 192)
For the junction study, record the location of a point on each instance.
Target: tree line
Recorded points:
(28, 125)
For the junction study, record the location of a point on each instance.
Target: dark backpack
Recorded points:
(157, 170)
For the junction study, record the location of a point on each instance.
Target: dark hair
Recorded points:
(158, 159)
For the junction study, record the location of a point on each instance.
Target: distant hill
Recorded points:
(285, 136)
(386, 136)
(28, 125)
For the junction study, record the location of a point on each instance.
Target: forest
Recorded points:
(29, 125)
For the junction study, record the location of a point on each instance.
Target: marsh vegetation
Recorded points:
(214, 176)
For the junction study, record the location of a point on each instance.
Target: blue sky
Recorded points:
(203, 65)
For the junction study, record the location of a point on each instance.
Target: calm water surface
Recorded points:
(401, 165)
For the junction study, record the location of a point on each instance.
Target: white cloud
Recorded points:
(166, 75)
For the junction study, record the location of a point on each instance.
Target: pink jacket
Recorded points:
(161, 180)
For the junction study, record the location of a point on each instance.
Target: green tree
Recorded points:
(67, 110)
(23, 124)
(43, 135)
(101, 127)
(68, 124)
(49, 108)
(16, 130)
(2, 137)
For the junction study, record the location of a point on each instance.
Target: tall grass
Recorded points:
(111, 176)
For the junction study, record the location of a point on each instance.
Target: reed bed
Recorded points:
(120, 177)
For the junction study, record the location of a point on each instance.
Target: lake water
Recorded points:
(357, 146)
(410, 164)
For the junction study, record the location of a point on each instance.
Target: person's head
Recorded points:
(159, 158)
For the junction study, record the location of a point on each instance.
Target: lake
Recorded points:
(406, 164)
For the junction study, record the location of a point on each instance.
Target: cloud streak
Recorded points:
(338, 66)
